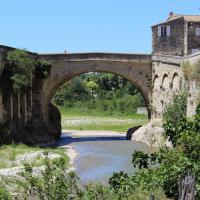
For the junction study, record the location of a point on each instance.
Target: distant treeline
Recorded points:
(100, 91)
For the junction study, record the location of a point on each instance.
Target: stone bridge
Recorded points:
(30, 117)
(134, 67)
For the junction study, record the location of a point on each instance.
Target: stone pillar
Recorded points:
(11, 106)
(185, 38)
(31, 76)
(19, 105)
(1, 107)
(193, 98)
(25, 108)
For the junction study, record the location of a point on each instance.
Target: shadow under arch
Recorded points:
(175, 81)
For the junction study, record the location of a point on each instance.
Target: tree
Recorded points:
(21, 66)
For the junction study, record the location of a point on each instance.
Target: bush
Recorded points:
(98, 192)
(4, 194)
(21, 65)
(53, 183)
(162, 168)
(174, 117)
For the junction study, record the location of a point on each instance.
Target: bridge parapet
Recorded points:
(95, 56)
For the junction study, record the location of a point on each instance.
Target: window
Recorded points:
(195, 50)
(197, 31)
(163, 31)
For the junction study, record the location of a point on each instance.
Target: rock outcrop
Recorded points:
(152, 134)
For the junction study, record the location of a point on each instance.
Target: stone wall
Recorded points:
(193, 40)
(173, 44)
(167, 81)
(21, 119)
(193, 88)
(29, 117)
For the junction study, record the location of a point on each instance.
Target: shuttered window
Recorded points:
(159, 30)
(164, 31)
(168, 30)
(197, 31)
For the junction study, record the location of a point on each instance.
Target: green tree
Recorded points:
(175, 117)
(21, 65)
(53, 183)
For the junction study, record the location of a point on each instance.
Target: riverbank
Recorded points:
(100, 121)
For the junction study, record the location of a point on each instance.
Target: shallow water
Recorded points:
(100, 156)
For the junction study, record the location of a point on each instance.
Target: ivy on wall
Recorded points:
(191, 71)
(22, 65)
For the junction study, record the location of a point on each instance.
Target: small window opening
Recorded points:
(163, 31)
(197, 31)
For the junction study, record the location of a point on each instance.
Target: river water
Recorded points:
(101, 153)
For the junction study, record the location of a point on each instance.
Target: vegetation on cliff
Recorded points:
(22, 65)
(191, 71)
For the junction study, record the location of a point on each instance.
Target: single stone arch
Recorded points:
(156, 82)
(175, 82)
(66, 67)
(165, 81)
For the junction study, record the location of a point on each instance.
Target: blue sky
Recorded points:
(85, 25)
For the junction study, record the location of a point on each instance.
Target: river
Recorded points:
(100, 153)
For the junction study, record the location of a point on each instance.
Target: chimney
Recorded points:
(171, 14)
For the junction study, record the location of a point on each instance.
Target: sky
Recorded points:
(45, 26)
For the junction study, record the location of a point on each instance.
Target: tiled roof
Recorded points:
(188, 18)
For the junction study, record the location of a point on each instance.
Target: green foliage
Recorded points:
(19, 81)
(98, 192)
(74, 91)
(140, 159)
(101, 92)
(53, 183)
(191, 71)
(175, 117)
(42, 69)
(162, 168)
(21, 65)
(20, 61)
(4, 194)
(134, 187)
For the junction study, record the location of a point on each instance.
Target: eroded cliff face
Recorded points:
(21, 119)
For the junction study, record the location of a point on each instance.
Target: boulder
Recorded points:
(152, 134)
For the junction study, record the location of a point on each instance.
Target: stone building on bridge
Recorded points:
(30, 117)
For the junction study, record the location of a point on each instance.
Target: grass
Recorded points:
(9, 155)
(77, 119)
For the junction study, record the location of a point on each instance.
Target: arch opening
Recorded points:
(106, 94)
(165, 81)
(175, 82)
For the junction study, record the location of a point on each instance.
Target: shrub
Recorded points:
(21, 65)
(174, 117)
(53, 183)
(4, 194)
(191, 71)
